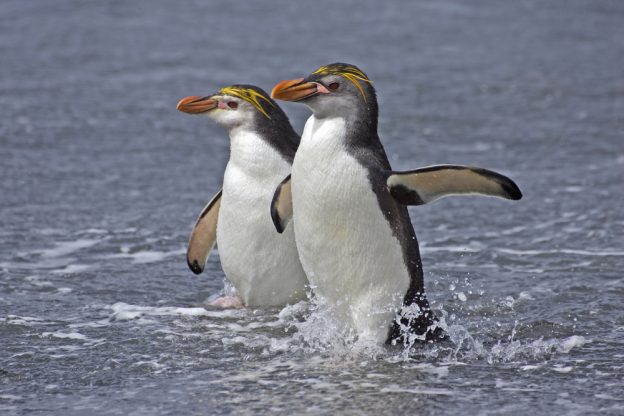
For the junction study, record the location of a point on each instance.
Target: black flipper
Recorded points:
(281, 205)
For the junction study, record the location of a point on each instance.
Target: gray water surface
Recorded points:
(101, 180)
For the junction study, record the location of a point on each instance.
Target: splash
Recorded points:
(315, 330)
(466, 347)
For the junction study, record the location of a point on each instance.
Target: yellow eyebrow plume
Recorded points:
(347, 71)
(251, 96)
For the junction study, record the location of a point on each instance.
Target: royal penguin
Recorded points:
(349, 208)
(262, 265)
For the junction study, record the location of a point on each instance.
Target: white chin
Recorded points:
(222, 118)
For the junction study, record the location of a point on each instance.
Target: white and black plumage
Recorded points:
(353, 231)
(262, 265)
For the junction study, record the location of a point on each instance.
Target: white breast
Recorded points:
(345, 244)
(262, 264)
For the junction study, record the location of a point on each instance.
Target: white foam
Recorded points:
(10, 397)
(23, 320)
(509, 231)
(43, 263)
(95, 231)
(507, 386)
(573, 189)
(473, 248)
(72, 268)
(465, 346)
(395, 388)
(439, 371)
(572, 342)
(36, 281)
(65, 335)
(536, 349)
(125, 312)
(592, 252)
(525, 296)
(150, 364)
(62, 249)
(144, 257)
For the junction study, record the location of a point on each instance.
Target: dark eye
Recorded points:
(233, 104)
(333, 86)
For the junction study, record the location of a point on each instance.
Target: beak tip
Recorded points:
(195, 104)
(182, 104)
(283, 89)
(276, 90)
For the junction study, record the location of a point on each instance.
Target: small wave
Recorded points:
(467, 347)
(10, 397)
(24, 320)
(66, 335)
(475, 248)
(395, 388)
(144, 257)
(62, 249)
(472, 248)
(72, 268)
(595, 252)
(125, 312)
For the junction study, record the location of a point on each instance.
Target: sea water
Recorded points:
(101, 180)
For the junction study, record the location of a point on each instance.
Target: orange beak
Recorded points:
(296, 89)
(196, 105)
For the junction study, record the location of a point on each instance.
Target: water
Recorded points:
(102, 180)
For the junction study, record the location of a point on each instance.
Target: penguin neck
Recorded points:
(251, 153)
(355, 131)
(359, 116)
(364, 116)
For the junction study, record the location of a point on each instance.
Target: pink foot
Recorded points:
(228, 302)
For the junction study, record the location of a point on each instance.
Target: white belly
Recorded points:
(345, 244)
(262, 264)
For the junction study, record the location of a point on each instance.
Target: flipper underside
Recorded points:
(425, 185)
(204, 235)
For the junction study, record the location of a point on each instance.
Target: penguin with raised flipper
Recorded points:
(353, 231)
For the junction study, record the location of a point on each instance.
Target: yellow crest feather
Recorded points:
(349, 72)
(251, 96)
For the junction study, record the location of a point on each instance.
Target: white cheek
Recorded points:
(231, 118)
(223, 117)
